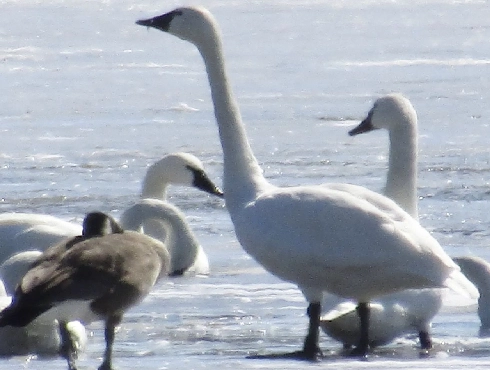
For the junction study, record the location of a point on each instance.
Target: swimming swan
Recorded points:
(318, 238)
(38, 337)
(89, 278)
(399, 313)
(477, 270)
(26, 231)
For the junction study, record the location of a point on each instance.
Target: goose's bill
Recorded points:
(364, 126)
(204, 183)
(161, 22)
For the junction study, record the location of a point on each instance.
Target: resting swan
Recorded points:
(38, 337)
(318, 238)
(184, 169)
(399, 313)
(26, 231)
(96, 276)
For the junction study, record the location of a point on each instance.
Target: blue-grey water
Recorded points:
(89, 100)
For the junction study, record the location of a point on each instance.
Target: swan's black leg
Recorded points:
(110, 329)
(425, 341)
(311, 350)
(363, 346)
(68, 349)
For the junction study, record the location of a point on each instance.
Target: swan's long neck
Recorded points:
(166, 223)
(401, 183)
(154, 184)
(242, 174)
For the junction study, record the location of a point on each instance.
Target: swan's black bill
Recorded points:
(364, 126)
(204, 183)
(161, 22)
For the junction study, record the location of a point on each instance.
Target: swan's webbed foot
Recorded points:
(312, 355)
(302, 355)
(360, 351)
(311, 351)
(177, 273)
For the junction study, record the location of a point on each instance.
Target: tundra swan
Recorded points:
(89, 278)
(184, 169)
(319, 238)
(398, 313)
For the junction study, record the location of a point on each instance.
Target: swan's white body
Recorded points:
(39, 337)
(395, 314)
(318, 238)
(26, 231)
(477, 270)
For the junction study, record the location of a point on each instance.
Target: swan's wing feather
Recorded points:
(309, 215)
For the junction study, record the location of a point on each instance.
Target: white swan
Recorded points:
(477, 270)
(26, 231)
(38, 337)
(96, 276)
(318, 238)
(179, 169)
(400, 313)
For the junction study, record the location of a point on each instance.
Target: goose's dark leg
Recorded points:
(363, 346)
(425, 341)
(110, 329)
(68, 349)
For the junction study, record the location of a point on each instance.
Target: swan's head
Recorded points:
(194, 24)
(179, 169)
(477, 270)
(389, 112)
(99, 224)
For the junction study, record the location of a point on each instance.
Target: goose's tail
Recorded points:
(15, 316)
